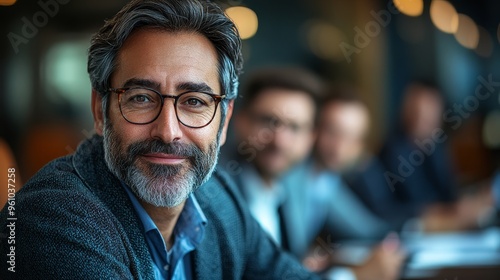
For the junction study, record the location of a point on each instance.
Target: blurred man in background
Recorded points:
(342, 127)
(276, 132)
(275, 129)
(341, 161)
(417, 165)
(341, 155)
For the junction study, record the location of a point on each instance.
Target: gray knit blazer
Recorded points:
(74, 221)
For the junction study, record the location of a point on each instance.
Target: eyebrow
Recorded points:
(142, 83)
(185, 86)
(198, 87)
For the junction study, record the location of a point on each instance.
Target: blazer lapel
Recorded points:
(108, 189)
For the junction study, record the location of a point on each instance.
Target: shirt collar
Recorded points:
(191, 222)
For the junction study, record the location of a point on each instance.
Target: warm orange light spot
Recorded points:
(245, 19)
(444, 16)
(7, 2)
(467, 33)
(412, 8)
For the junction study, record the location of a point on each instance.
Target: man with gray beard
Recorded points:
(141, 199)
(150, 184)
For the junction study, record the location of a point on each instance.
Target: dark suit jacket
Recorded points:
(429, 181)
(75, 221)
(368, 182)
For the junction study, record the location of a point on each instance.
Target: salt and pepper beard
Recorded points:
(157, 184)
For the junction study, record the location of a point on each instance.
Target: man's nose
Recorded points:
(167, 127)
(283, 135)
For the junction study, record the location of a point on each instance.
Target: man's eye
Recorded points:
(194, 102)
(140, 99)
(267, 120)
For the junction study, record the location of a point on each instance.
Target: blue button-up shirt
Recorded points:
(188, 232)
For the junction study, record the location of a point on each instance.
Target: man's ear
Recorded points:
(229, 113)
(97, 112)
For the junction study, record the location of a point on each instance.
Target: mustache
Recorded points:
(158, 146)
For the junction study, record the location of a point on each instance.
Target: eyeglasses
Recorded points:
(140, 105)
(275, 124)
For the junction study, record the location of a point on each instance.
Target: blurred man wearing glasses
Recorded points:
(128, 204)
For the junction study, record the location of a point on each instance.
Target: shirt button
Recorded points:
(166, 267)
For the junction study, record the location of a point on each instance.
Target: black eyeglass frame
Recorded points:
(217, 99)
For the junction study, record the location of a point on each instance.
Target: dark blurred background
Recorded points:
(45, 90)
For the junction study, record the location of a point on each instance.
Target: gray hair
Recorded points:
(200, 16)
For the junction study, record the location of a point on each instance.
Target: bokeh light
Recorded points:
(444, 16)
(412, 8)
(324, 40)
(245, 20)
(467, 33)
(7, 2)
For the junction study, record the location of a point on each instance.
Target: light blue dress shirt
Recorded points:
(346, 214)
(263, 202)
(174, 264)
